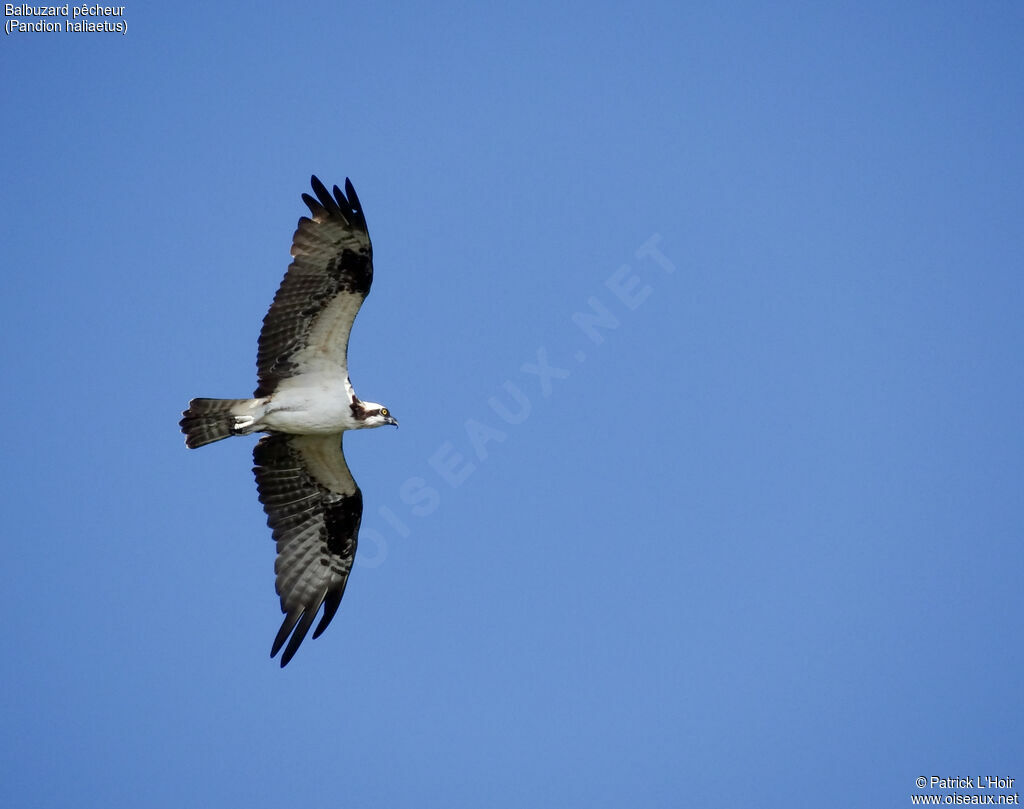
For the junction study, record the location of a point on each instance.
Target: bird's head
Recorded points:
(372, 414)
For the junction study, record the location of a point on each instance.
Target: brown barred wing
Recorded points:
(331, 272)
(314, 508)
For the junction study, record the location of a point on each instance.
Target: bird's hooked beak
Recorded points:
(391, 420)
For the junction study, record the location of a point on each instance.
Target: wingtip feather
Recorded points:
(353, 199)
(331, 604)
(287, 626)
(315, 208)
(298, 636)
(326, 200)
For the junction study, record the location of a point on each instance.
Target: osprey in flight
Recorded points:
(304, 402)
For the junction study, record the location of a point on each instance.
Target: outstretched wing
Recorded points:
(332, 268)
(314, 508)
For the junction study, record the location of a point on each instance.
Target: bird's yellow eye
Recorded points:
(383, 411)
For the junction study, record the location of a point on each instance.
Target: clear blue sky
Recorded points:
(756, 540)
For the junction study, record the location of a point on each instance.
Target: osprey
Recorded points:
(304, 401)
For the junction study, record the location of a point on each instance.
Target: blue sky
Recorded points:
(753, 538)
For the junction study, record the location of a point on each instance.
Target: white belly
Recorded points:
(309, 405)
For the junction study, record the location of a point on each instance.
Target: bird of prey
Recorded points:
(304, 402)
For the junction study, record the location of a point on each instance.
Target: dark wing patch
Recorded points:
(314, 508)
(332, 257)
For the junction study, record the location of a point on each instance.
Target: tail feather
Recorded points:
(209, 420)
